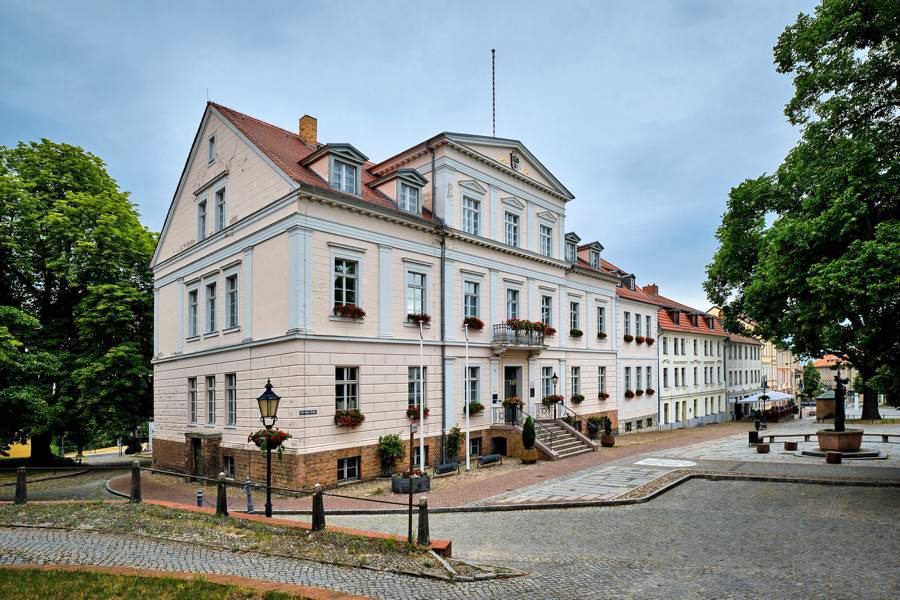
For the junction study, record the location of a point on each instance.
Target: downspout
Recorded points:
(443, 235)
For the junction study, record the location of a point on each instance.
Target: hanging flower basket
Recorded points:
(628, 337)
(649, 341)
(413, 413)
(629, 394)
(270, 439)
(422, 318)
(348, 418)
(601, 335)
(638, 392)
(548, 331)
(639, 339)
(349, 311)
(551, 400)
(475, 408)
(575, 333)
(577, 398)
(474, 323)
(603, 396)
(649, 391)
(512, 401)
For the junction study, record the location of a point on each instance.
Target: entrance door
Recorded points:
(195, 452)
(511, 379)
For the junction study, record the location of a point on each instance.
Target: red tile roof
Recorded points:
(684, 324)
(635, 294)
(285, 149)
(744, 339)
(829, 360)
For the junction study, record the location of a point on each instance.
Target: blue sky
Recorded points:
(649, 112)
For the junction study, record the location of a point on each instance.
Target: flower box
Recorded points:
(649, 391)
(638, 392)
(551, 399)
(420, 483)
(422, 318)
(639, 339)
(348, 418)
(413, 412)
(548, 331)
(648, 341)
(577, 398)
(601, 336)
(603, 396)
(349, 311)
(474, 323)
(271, 439)
(475, 408)
(629, 394)
(628, 337)
(575, 333)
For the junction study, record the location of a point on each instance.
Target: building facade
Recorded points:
(286, 259)
(744, 372)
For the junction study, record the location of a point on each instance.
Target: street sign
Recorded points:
(304, 412)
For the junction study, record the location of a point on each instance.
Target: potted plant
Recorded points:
(649, 391)
(548, 331)
(420, 318)
(413, 413)
(475, 408)
(575, 333)
(552, 399)
(529, 454)
(603, 396)
(419, 481)
(511, 406)
(638, 392)
(629, 394)
(577, 398)
(601, 335)
(572, 422)
(607, 439)
(390, 449)
(639, 339)
(455, 440)
(648, 341)
(628, 337)
(474, 323)
(348, 418)
(348, 311)
(270, 438)
(595, 426)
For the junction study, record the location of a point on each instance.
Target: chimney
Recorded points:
(308, 131)
(652, 289)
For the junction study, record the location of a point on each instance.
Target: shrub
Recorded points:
(474, 323)
(575, 333)
(348, 418)
(628, 337)
(528, 434)
(351, 311)
(455, 439)
(629, 394)
(577, 398)
(390, 449)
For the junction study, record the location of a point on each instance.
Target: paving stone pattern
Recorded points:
(591, 484)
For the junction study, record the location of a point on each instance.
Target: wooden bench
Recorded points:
(885, 437)
(445, 469)
(490, 459)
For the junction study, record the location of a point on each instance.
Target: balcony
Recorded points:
(506, 338)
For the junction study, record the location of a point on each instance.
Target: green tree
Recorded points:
(812, 381)
(74, 260)
(811, 253)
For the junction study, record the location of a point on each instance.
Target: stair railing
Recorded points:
(588, 428)
(541, 431)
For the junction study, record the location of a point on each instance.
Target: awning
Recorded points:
(773, 396)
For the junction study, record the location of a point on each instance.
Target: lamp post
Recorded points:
(466, 397)
(268, 411)
(554, 380)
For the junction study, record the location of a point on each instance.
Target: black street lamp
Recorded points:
(554, 380)
(268, 414)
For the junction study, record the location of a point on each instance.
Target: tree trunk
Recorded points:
(40, 449)
(870, 401)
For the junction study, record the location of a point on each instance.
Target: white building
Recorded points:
(743, 370)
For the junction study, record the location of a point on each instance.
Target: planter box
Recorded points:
(400, 485)
(840, 441)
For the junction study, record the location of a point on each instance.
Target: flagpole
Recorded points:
(466, 396)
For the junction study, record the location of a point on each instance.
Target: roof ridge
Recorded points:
(266, 123)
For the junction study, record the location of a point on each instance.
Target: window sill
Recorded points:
(344, 319)
(231, 427)
(209, 425)
(191, 424)
(234, 329)
(347, 481)
(210, 334)
(193, 338)
(415, 326)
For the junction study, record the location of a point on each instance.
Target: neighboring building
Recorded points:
(691, 358)
(272, 236)
(826, 368)
(743, 370)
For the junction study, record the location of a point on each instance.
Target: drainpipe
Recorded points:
(443, 234)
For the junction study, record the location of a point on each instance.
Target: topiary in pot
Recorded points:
(390, 449)
(529, 454)
(607, 440)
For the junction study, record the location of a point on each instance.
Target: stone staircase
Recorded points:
(560, 440)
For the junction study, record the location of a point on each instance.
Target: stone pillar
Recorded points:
(21, 486)
(221, 497)
(135, 481)
(318, 509)
(424, 537)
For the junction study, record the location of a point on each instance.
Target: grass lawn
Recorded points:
(35, 584)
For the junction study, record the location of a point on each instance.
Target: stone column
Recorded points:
(248, 293)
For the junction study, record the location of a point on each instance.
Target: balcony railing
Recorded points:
(507, 337)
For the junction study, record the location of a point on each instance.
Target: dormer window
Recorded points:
(570, 252)
(629, 282)
(343, 177)
(676, 316)
(595, 261)
(408, 198)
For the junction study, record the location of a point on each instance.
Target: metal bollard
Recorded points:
(424, 535)
(200, 497)
(318, 509)
(21, 486)
(221, 498)
(248, 487)
(135, 481)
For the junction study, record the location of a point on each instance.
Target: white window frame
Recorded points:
(649, 375)
(637, 324)
(348, 465)
(210, 399)
(546, 380)
(595, 259)
(575, 379)
(637, 378)
(230, 399)
(471, 214)
(353, 255)
(408, 197)
(665, 377)
(574, 314)
(547, 309)
(192, 400)
(512, 229)
(202, 218)
(513, 303)
(546, 239)
(220, 209)
(601, 379)
(340, 167)
(349, 400)
(211, 306)
(571, 252)
(416, 388)
(406, 288)
(211, 149)
(473, 308)
(627, 378)
(232, 300)
(627, 321)
(649, 320)
(601, 319)
(193, 312)
(472, 384)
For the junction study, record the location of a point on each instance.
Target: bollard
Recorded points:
(135, 481)
(21, 486)
(318, 509)
(833, 458)
(200, 497)
(221, 498)
(754, 437)
(424, 536)
(248, 487)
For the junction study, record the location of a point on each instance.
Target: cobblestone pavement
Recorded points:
(702, 540)
(591, 484)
